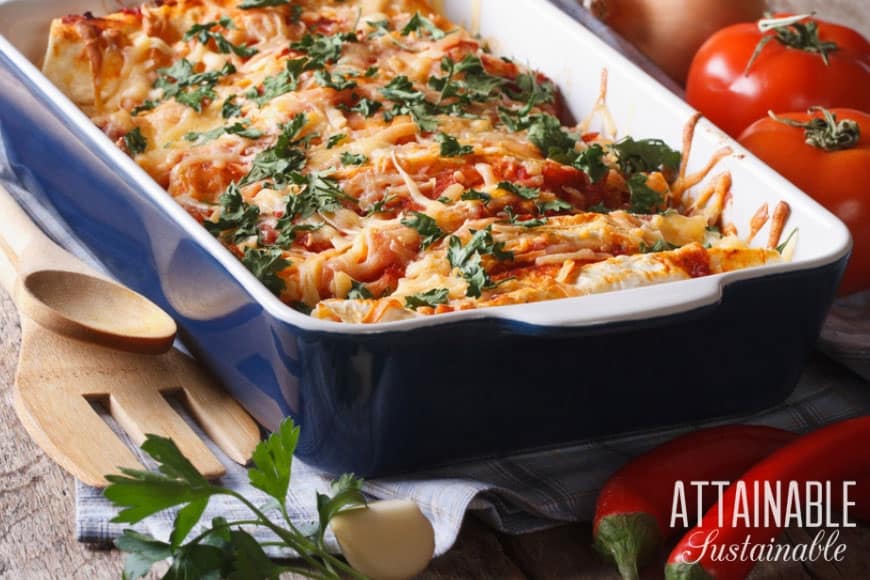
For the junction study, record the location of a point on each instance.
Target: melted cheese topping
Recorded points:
(418, 190)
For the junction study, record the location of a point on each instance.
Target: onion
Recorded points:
(671, 31)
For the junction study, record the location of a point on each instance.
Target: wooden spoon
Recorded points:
(86, 339)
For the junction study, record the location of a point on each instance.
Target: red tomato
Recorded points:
(837, 179)
(781, 78)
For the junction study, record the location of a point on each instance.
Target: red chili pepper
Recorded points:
(834, 453)
(632, 517)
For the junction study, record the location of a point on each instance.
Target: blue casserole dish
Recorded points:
(393, 397)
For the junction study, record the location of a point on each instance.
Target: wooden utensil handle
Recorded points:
(24, 248)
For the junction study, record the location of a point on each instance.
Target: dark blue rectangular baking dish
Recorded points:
(401, 396)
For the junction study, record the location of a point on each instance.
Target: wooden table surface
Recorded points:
(37, 510)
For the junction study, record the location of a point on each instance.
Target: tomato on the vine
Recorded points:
(787, 63)
(826, 153)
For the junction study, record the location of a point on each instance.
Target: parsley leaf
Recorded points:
(203, 33)
(239, 129)
(288, 231)
(146, 105)
(379, 28)
(546, 132)
(265, 263)
(189, 88)
(272, 460)
(643, 198)
(346, 493)
(426, 227)
(358, 291)
(275, 86)
(379, 205)
(135, 142)
(590, 162)
(321, 193)
(322, 49)
(554, 205)
(366, 107)
(282, 159)
(230, 109)
(529, 223)
(476, 85)
(450, 147)
(235, 215)
(520, 190)
(528, 90)
(432, 297)
(248, 4)
(370, 72)
(467, 259)
(334, 80)
(598, 208)
(645, 155)
(349, 158)
(473, 194)
(335, 140)
(409, 101)
(659, 246)
(420, 23)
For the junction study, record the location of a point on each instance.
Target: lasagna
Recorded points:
(370, 161)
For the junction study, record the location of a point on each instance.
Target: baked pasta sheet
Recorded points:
(370, 161)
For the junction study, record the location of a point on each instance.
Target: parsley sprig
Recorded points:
(280, 161)
(237, 218)
(426, 226)
(225, 548)
(467, 259)
(431, 298)
(420, 23)
(205, 32)
(187, 87)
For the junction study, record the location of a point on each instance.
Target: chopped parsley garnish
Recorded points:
(358, 291)
(248, 4)
(554, 205)
(409, 101)
(287, 231)
(334, 80)
(379, 205)
(520, 190)
(275, 86)
(335, 140)
(187, 87)
(426, 227)
(527, 89)
(590, 162)
(467, 259)
(659, 246)
(280, 161)
(146, 105)
(546, 133)
(239, 129)
(450, 147)
(135, 142)
(349, 158)
(370, 72)
(643, 198)
(235, 215)
(321, 193)
(203, 33)
(476, 85)
(379, 28)
(265, 264)
(645, 155)
(230, 109)
(529, 223)
(366, 107)
(598, 208)
(322, 49)
(420, 23)
(432, 298)
(473, 194)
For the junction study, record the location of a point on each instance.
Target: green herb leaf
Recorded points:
(591, 163)
(370, 72)
(239, 129)
(273, 459)
(409, 101)
(366, 107)
(643, 199)
(419, 23)
(349, 158)
(248, 4)
(379, 205)
(520, 190)
(426, 227)
(265, 264)
(203, 33)
(189, 88)
(230, 109)
(659, 246)
(289, 230)
(450, 147)
(432, 297)
(275, 86)
(335, 140)
(473, 194)
(146, 105)
(555, 205)
(781, 248)
(334, 81)
(358, 291)
(529, 223)
(598, 208)
(282, 160)
(135, 142)
(531, 92)
(379, 28)
(321, 193)
(346, 493)
(235, 215)
(143, 551)
(467, 259)
(645, 155)
(321, 49)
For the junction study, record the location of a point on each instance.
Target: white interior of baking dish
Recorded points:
(538, 34)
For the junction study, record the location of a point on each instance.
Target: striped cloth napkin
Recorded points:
(516, 494)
